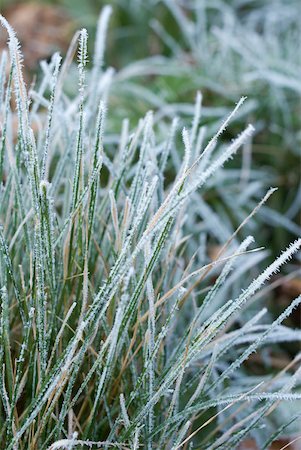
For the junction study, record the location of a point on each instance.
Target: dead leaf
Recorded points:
(250, 444)
(41, 30)
(292, 287)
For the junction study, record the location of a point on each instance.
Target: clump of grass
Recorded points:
(117, 329)
(227, 49)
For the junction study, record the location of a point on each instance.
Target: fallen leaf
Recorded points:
(41, 30)
(250, 444)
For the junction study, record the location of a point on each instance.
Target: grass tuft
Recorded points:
(118, 327)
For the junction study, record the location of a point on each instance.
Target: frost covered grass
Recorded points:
(227, 49)
(118, 328)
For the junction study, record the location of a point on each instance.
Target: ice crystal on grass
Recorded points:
(117, 329)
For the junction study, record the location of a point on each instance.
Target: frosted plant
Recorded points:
(117, 330)
(231, 49)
